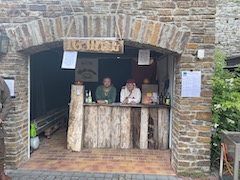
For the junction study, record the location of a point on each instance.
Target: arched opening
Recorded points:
(49, 81)
(141, 34)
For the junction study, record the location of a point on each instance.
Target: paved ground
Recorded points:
(52, 161)
(59, 175)
(53, 155)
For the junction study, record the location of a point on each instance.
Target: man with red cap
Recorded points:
(130, 94)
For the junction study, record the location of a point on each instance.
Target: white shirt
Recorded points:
(135, 95)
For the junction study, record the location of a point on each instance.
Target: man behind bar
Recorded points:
(130, 94)
(106, 93)
(5, 106)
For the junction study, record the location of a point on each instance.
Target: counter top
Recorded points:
(129, 105)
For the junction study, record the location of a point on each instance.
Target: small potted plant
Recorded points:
(34, 139)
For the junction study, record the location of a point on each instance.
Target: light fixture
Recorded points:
(200, 54)
(4, 42)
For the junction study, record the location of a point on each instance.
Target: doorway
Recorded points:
(50, 88)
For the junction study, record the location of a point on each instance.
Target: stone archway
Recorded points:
(39, 35)
(31, 37)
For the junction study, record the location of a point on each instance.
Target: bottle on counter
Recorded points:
(167, 101)
(161, 99)
(89, 97)
(86, 96)
(154, 97)
(158, 99)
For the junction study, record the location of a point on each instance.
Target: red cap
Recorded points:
(130, 81)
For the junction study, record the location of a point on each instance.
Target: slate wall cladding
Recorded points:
(178, 27)
(227, 27)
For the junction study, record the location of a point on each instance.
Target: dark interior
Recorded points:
(51, 85)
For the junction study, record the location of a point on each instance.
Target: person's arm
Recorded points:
(122, 95)
(112, 96)
(98, 93)
(5, 101)
(138, 98)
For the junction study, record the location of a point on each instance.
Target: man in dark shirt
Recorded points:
(106, 93)
(5, 106)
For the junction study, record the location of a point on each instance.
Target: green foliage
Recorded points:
(226, 102)
(236, 1)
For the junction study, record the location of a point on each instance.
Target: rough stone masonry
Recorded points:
(227, 27)
(175, 27)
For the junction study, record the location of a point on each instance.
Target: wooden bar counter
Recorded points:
(116, 125)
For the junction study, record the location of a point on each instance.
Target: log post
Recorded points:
(153, 128)
(163, 128)
(126, 139)
(116, 127)
(144, 128)
(76, 118)
(90, 127)
(135, 126)
(104, 126)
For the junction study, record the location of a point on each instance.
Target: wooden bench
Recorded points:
(51, 121)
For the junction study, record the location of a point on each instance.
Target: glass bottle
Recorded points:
(161, 99)
(89, 97)
(167, 101)
(86, 96)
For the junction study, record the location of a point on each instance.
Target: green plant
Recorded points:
(225, 104)
(234, 32)
(236, 1)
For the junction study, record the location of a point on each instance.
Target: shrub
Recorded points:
(226, 102)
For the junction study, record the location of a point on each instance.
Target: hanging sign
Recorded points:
(86, 70)
(94, 45)
(143, 57)
(10, 84)
(69, 60)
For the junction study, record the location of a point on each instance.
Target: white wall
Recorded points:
(165, 70)
(171, 72)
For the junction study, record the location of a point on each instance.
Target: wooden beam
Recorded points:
(90, 127)
(104, 125)
(116, 127)
(144, 128)
(76, 118)
(163, 128)
(126, 138)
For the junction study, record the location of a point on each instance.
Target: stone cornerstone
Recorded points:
(172, 26)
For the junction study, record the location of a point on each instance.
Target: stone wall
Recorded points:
(167, 25)
(192, 120)
(15, 65)
(227, 27)
(181, 13)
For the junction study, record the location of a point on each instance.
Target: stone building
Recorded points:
(227, 33)
(175, 28)
(227, 27)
